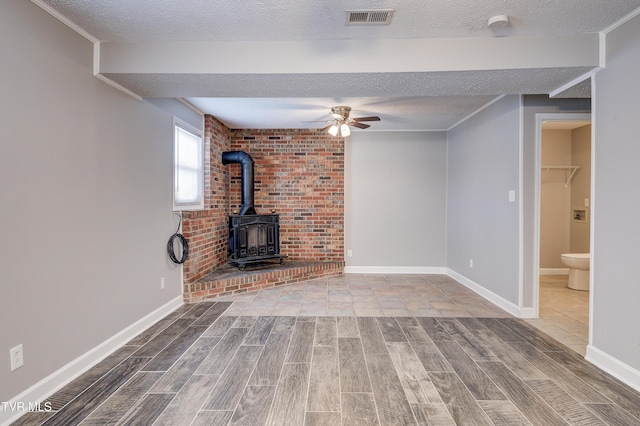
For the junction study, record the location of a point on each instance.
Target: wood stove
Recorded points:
(252, 237)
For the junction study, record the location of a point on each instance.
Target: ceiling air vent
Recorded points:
(369, 17)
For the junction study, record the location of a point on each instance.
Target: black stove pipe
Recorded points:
(241, 157)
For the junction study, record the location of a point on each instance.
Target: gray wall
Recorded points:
(616, 199)
(482, 167)
(395, 191)
(86, 200)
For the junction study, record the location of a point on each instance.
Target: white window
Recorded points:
(188, 173)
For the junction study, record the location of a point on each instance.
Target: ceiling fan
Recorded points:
(341, 121)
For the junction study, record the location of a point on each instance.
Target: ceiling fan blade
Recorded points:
(358, 125)
(373, 118)
(316, 121)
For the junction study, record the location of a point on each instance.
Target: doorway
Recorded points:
(561, 312)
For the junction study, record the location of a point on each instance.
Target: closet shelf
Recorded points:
(572, 169)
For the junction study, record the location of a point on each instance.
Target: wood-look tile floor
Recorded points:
(206, 364)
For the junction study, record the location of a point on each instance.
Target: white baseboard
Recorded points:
(613, 366)
(527, 313)
(554, 271)
(55, 381)
(499, 301)
(395, 270)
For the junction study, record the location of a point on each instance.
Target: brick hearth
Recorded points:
(228, 280)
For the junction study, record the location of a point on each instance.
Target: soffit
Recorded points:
(405, 100)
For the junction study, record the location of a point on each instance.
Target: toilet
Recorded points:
(578, 264)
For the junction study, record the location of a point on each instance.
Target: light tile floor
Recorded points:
(564, 313)
(367, 295)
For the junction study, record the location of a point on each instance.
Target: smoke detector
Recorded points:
(498, 22)
(369, 17)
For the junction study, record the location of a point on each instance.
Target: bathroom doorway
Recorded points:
(563, 224)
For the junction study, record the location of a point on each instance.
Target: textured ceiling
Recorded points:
(233, 20)
(404, 100)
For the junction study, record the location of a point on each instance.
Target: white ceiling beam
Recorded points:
(351, 56)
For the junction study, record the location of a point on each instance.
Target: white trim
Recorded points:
(191, 106)
(576, 80)
(181, 124)
(55, 381)
(395, 270)
(96, 46)
(485, 106)
(527, 313)
(446, 199)
(595, 287)
(96, 58)
(521, 203)
(117, 86)
(535, 280)
(602, 51)
(554, 271)
(98, 75)
(613, 366)
(60, 17)
(629, 16)
(499, 301)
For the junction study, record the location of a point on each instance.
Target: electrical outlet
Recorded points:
(349, 253)
(17, 357)
(161, 283)
(470, 263)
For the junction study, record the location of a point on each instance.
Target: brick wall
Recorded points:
(299, 173)
(206, 230)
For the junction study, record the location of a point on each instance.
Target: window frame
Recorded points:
(198, 203)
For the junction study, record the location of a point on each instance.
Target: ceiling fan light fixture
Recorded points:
(341, 123)
(340, 112)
